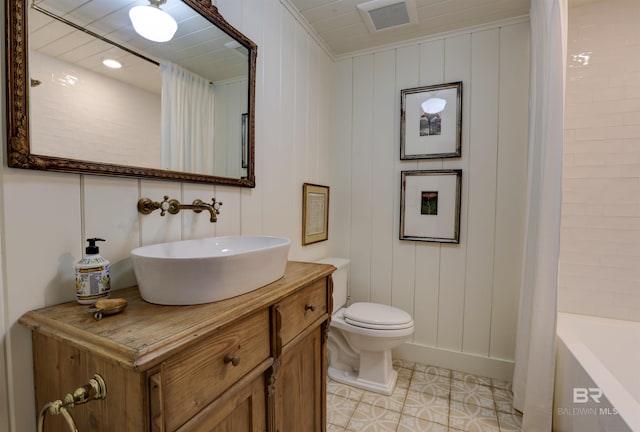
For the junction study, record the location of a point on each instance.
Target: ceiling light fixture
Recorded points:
(153, 23)
(111, 63)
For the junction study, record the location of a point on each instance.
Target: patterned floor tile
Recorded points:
(414, 424)
(472, 418)
(432, 384)
(369, 418)
(393, 402)
(499, 384)
(426, 398)
(399, 363)
(433, 370)
(505, 407)
(404, 373)
(339, 410)
(472, 393)
(471, 379)
(510, 422)
(403, 381)
(427, 407)
(504, 400)
(334, 387)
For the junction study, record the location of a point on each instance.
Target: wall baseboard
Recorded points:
(464, 362)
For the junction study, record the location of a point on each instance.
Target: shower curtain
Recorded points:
(535, 344)
(187, 120)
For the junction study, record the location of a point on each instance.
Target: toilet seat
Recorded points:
(377, 316)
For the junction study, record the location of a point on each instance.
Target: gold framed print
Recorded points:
(315, 213)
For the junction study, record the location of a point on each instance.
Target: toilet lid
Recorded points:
(377, 316)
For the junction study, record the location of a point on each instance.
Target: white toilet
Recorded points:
(362, 336)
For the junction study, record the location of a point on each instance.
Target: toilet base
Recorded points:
(353, 379)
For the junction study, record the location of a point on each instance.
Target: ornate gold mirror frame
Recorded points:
(19, 152)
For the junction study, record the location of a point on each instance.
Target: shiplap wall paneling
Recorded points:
(340, 207)
(453, 257)
(404, 258)
(361, 177)
(198, 225)
(299, 125)
(278, 157)
(230, 221)
(511, 187)
(120, 229)
(91, 206)
(425, 309)
(325, 116)
(249, 218)
(287, 190)
(153, 227)
(311, 137)
(463, 296)
(482, 152)
(382, 181)
(42, 220)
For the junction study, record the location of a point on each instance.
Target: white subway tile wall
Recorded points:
(600, 235)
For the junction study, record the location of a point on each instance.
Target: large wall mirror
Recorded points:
(176, 110)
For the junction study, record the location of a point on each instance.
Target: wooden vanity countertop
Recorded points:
(145, 334)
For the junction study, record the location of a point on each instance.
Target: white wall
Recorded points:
(47, 216)
(600, 234)
(463, 297)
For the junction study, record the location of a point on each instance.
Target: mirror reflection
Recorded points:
(101, 92)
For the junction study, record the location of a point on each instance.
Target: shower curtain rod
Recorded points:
(89, 32)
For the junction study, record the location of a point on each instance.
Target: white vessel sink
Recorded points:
(207, 270)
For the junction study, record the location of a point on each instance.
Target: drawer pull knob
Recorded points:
(311, 308)
(230, 358)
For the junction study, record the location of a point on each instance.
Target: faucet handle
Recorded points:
(216, 205)
(146, 205)
(164, 205)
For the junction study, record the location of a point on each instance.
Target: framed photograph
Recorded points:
(245, 140)
(315, 213)
(430, 122)
(430, 206)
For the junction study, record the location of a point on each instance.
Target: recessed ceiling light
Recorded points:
(111, 63)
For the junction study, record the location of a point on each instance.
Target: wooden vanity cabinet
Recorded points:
(253, 363)
(300, 393)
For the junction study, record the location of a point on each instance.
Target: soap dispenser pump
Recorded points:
(93, 279)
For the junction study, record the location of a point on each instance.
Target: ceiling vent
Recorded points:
(386, 14)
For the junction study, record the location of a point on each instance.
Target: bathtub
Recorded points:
(597, 384)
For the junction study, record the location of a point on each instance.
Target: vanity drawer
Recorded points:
(197, 376)
(301, 309)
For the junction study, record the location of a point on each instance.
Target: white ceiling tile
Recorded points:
(337, 21)
(303, 5)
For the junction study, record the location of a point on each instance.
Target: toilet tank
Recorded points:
(340, 280)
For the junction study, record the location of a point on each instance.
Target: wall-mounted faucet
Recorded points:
(147, 206)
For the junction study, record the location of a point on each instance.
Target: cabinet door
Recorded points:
(243, 410)
(299, 388)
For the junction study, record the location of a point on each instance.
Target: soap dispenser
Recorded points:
(93, 280)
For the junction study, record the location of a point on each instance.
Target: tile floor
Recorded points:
(426, 398)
